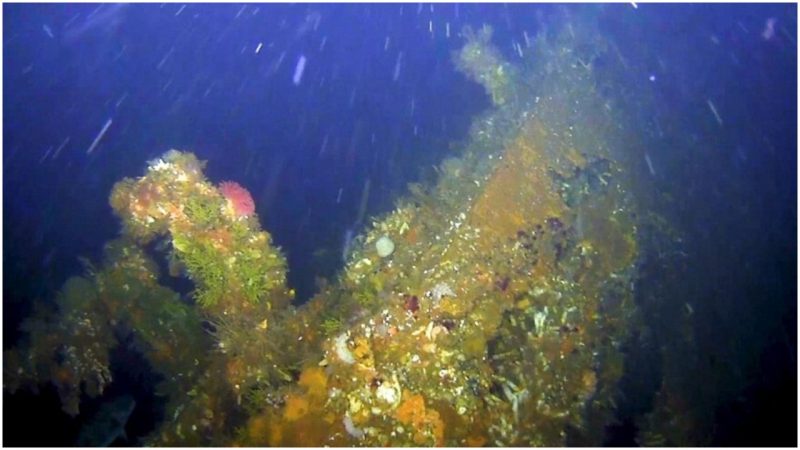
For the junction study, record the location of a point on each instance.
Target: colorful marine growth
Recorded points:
(488, 309)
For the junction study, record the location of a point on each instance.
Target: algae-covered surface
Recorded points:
(496, 303)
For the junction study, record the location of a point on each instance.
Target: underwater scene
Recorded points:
(399, 225)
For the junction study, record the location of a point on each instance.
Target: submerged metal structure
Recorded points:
(497, 319)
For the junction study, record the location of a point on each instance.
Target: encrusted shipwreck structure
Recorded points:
(496, 320)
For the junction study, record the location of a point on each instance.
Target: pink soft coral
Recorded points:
(239, 198)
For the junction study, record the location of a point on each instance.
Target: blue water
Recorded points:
(91, 92)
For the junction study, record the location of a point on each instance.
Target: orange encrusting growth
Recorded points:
(520, 192)
(426, 425)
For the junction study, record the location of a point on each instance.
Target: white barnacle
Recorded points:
(177, 412)
(341, 350)
(351, 429)
(538, 321)
(159, 164)
(387, 393)
(441, 290)
(403, 228)
(363, 262)
(428, 330)
(515, 396)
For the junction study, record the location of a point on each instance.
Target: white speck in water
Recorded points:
(298, 70)
(397, 66)
(714, 111)
(241, 10)
(258, 49)
(164, 59)
(121, 99)
(352, 100)
(99, 136)
(278, 63)
(324, 146)
(60, 147)
(649, 164)
(46, 154)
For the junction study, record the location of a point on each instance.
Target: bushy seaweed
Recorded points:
(205, 211)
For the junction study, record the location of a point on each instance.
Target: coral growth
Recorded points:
(498, 321)
(238, 198)
(424, 423)
(483, 63)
